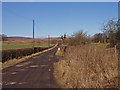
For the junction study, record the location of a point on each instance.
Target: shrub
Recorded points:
(78, 38)
(18, 53)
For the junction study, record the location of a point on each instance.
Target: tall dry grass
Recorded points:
(87, 67)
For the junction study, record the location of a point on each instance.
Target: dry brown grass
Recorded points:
(88, 66)
(61, 50)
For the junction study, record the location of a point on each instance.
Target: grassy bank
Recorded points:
(89, 66)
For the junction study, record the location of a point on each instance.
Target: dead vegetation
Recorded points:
(61, 51)
(88, 66)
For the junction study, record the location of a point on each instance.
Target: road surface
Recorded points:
(36, 72)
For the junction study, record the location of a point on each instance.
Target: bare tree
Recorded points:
(63, 37)
(111, 27)
(3, 37)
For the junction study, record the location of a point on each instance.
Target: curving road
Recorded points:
(36, 72)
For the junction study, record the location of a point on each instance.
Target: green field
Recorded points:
(6, 47)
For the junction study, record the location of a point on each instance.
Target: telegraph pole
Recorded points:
(48, 40)
(33, 35)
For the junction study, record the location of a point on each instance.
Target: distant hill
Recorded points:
(29, 39)
(19, 39)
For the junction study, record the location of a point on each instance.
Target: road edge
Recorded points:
(16, 61)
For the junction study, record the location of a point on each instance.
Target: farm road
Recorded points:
(36, 72)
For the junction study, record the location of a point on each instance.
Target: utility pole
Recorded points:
(48, 40)
(33, 35)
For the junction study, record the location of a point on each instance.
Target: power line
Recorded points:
(16, 14)
(11, 11)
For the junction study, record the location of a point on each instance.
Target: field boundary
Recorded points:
(29, 46)
(16, 61)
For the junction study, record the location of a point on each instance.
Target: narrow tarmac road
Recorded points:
(36, 72)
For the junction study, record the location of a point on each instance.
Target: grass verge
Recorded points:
(88, 66)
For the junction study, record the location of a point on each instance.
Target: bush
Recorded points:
(78, 38)
(61, 50)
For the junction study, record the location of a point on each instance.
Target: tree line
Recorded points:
(110, 34)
